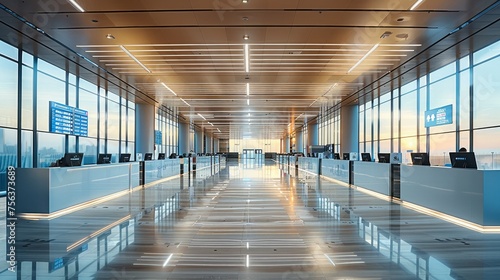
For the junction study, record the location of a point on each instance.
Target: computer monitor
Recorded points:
(124, 157)
(366, 157)
(336, 156)
(103, 158)
(72, 159)
(172, 156)
(345, 156)
(463, 160)
(148, 156)
(420, 159)
(384, 157)
(161, 156)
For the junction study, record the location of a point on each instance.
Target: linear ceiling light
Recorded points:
(248, 101)
(163, 84)
(201, 116)
(134, 58)
(77, 6)
(416, 5)
(248, 89)
(247, 59)
(185, 102)
(219, 130)
(363, 58)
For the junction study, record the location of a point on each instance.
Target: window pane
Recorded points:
(26, 149)
(464, 100)
(368, 125)
(385, 146)
(486, 90)
(113, 120)
(8, 50)
(443, 93)
(411, 86)
(443, 72)
(51, 70)
(28, 59)
(49, 89)
(50, 148)
(88, 146)
(27, 92)
(409, 114)
(395, 118)
(8, 92)
(487, 53)
(484, 147)
(464, 63)
(131, 125)
(440, 146)
(88, 102)
(8, 153)
(113, 147)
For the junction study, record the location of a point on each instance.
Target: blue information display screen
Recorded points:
(439, 116)
(158, 137)
(68, 120)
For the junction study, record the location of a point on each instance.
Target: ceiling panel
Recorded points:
(301, 53)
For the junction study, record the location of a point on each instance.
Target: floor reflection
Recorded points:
(257, 220)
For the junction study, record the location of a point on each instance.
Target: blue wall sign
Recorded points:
(439, 116)
(68, 120)
(158, 137)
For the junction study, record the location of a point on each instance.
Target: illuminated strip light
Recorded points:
(135, 58)
(248, 245)
(330, 260)
(363, 58)
(163, 84)
(248, 101)
(201, 116)
(416, 5)
(185, 102)
(168, 259)
(248, 89)
(426, 211)
(248, 261)
(97, 233)
(219, 130)
(77, 6)
(247, 59)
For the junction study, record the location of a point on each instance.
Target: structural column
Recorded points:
(349, 126)
(144, 128)
(312, 134)
(198, 138)
(299, 141)
(183, 138)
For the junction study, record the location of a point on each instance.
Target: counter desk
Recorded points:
(47, 190)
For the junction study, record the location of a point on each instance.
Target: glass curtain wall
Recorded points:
(27, 85)
(395, 122)
(167, 123)
(329, 126)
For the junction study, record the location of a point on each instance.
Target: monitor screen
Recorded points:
(124, 157)
(172, 155)
(345, 156)
(72, 159)
(366, 157)
(420, 159)
(103, 158)
(161, 156)
(463, 160)
(336, 156)
(148, 156)
(384, 157)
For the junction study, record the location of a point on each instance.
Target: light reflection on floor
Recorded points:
(253, 220)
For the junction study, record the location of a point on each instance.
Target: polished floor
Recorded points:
(250, 221)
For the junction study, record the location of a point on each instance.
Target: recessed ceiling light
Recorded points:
(110, 36)
(244, 1)
(246, 37)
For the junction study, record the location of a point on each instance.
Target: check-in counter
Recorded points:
(336, 169)
(47, 190)
(155, 170)
(309, 164)
(203, 162)
(373, 176)
(468, 194)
